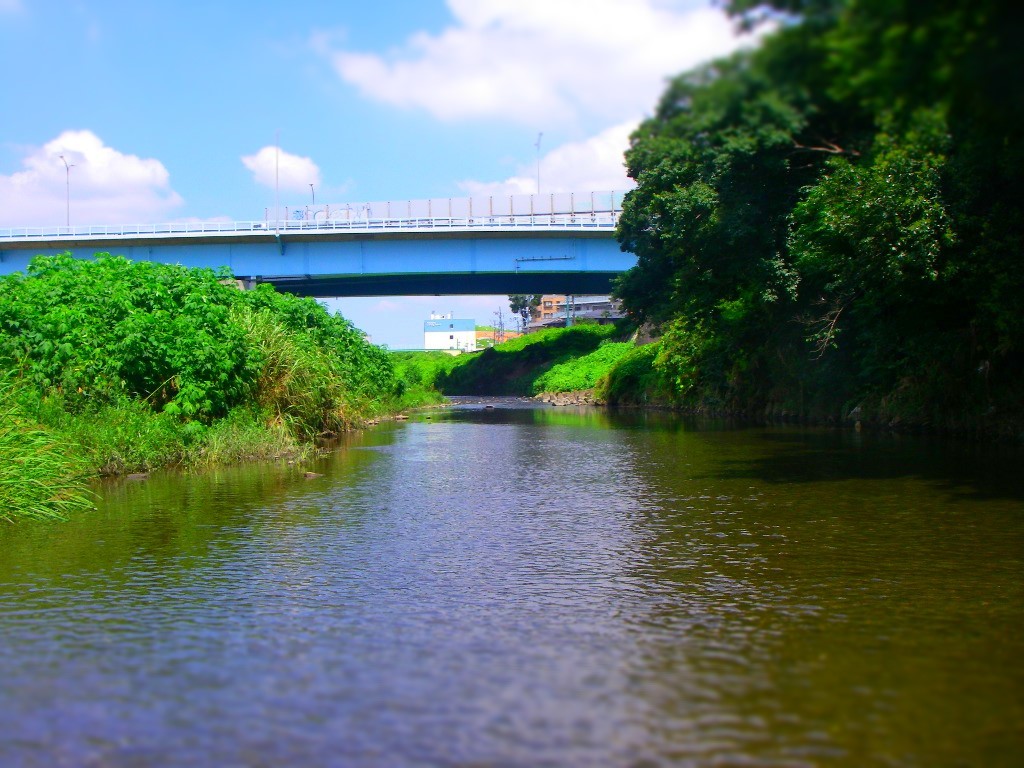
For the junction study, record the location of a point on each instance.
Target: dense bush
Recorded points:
(186, 341)
(137, 365)
(95, 330)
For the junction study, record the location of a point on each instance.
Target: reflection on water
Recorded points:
(531, 586)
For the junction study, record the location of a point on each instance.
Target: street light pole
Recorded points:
(537, 145)
(67, 186)
(277, 183)
(313, 194)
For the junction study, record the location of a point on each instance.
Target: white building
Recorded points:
(445, 332)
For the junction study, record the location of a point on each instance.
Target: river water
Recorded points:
(522, 586)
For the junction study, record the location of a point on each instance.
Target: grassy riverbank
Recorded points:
(548, 361)
(113, 367)
(609, 366)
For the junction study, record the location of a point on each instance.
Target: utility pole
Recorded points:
(277, 183)
(499, 329)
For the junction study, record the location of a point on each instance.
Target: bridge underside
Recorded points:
(352, 264)
(446, 284)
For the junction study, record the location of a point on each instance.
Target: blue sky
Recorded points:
(171, 111)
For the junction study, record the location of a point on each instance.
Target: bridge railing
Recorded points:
(473, 207)
(577, 222)
(592, 211)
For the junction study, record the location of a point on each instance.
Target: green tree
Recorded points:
(523, 305)
(719, 168)
(871, 242)
(838, 211)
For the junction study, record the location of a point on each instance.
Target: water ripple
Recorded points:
(519, 589)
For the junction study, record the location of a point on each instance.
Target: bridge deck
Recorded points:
(573, 252)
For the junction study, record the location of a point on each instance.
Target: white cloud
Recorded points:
(106, 186)
(294, 173)
(541, 62)
(595, 164)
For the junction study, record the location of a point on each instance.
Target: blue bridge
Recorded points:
(562, 243)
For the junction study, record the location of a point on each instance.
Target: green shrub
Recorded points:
(582, 372)
(94, 330)
(635, 379)
(182, 339)
(421, 369)
(137, 364)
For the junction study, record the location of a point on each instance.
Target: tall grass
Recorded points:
(124, 436)
(39, 478)
(296, 383)
(244, 435)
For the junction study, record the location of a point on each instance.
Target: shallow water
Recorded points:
(523, 586)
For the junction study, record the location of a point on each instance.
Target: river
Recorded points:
(524, 586)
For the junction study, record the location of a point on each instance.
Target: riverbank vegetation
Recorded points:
(831, 224)
(417, 374)
(39, 478)
(546, 360)
(130, 366)
(550, 360)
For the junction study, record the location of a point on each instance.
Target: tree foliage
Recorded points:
(523, 305)
(837, 212)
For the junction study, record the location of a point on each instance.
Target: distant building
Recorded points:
(551, 312)
(551, 307)
(442, 331)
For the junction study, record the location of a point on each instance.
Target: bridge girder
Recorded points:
(378, 264)
(448, 284)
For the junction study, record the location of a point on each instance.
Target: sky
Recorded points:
(175, 111)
